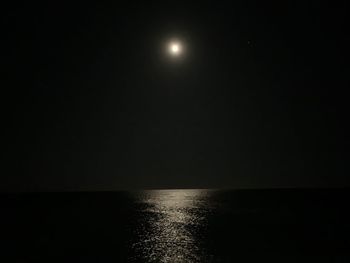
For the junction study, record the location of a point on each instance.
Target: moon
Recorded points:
(175, 48)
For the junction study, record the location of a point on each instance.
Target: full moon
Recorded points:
(175, 48)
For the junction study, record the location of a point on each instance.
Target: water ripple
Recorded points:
(170, 221)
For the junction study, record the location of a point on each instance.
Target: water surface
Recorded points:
(177, 226)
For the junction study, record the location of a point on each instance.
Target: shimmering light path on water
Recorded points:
(170, 225)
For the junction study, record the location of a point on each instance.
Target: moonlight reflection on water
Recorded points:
(171, 220)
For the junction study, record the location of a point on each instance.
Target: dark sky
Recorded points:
(91, 102)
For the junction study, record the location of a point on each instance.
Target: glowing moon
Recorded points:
(175, 48)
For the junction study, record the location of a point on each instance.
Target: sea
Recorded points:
(177, 225)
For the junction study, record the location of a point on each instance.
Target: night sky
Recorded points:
(92, 102)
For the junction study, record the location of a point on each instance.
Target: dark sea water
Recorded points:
(177, 226)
